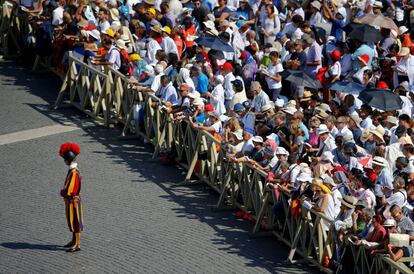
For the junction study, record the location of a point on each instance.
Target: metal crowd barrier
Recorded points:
(108, 96)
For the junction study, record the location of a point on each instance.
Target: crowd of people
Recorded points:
(260, 76)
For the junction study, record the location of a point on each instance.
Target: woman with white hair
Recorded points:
(217, 95)
(185, 78)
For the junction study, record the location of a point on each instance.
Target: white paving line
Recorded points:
(30, 134)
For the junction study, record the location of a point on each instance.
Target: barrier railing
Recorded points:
(110, 97)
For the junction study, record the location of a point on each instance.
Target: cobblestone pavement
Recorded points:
(138, 218)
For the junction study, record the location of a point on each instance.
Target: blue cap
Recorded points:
(238, 107)
(246, 104)
(280, 35)
(249, 130)
(237, 83)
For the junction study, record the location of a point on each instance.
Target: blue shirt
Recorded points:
(337, 30)
(202, 83)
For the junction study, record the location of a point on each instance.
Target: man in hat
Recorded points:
(71, 195)
(227, 72)
(384, 176)
(152, 45)
(326, 141)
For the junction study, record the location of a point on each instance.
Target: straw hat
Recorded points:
(114, 13)
(316, 5)
(366, 132)
(379, 161)
(356, 119)
(289, 110)
(121, 44)
(379, 133)
(306, 95)
(348, 201)
(320, 114)
(266, 107)
(156, 29)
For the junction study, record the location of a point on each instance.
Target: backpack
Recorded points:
(126, 66)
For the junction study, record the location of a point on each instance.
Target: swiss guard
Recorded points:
(70, 194)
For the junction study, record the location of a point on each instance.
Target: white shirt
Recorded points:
(336, 195)
(406, 106)
(57, 16)
(345, 131)
(156, 83)
(114, 57)
(392, 152)
(168, 45)
(316, 18)
(167, 93)
(273, 70)
(152, 48)
(327, 145)
(329, 211)
(103, 26)
(398, 198)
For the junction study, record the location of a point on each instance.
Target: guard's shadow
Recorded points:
(17, 245)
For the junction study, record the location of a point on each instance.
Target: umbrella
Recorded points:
(382, 99)
(379, 21)
(300, 78)
(213, 42)
(365, 33)
(348, 87)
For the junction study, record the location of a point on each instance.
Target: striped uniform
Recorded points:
(73, 204)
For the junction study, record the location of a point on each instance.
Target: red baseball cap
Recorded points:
(208, 107)
(227, 66)
(382, 85)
